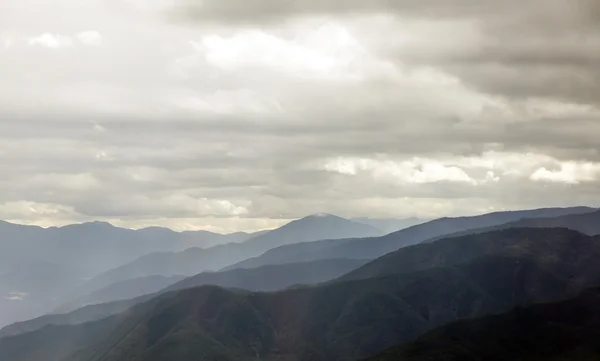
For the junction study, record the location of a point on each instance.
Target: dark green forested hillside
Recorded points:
(564, 331)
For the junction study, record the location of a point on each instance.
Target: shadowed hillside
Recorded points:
(564, 331)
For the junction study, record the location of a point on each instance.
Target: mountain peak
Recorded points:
(94, 224)
(323, 215)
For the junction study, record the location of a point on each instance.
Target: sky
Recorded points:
(239, 115)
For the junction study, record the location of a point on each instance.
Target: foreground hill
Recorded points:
(336, 321)
(268, 278)
(195, 260)
(372, 248)
(563, 331)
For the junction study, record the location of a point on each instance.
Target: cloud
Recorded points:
(232, 115)
(555, 42)
(413, 171)
(569, 172)
(53, 41)
(90, 38)
(16, 296)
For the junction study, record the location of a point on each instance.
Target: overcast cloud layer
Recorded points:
(237, 115)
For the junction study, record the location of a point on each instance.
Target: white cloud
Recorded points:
(568, 172)
(16, 296)
(415, 171)
(488, 167)
(329, 51)
(53, 41)
(90, 38)
(23, 210)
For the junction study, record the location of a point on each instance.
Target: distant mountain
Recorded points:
(274, 277)
(389, 225)
(336, 321)
(123, 290)
(195, 260)
(313, 228)
(268, 278)
(79, 316)
(299, 252)
(375, 247)
(549, 243)
(588, 223)
(90, 248)
(563, 331)
(41, 264)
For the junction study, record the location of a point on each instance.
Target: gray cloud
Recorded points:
(524, 48)
(241, 115)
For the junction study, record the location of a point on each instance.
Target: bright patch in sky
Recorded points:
(569, 172)
(52, 41)
(16, 296)
(90, 38)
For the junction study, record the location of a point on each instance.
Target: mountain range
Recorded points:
(38, 265)
(347, 319)
(195, 260)
(372, 248)
(267, 278)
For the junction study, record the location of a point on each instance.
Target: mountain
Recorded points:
(547, 243)
(312, 228)
(268, 278)
(375, 247)
(389, 225)
(195, 260)
(588, 223)
(79, 316)
(123, 290)
(343, 320)
(439, 227)
(274, 277)
(93, 247)
(38, 265)
(563, 331)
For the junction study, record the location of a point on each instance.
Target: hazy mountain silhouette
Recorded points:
(389, 225)
(548, 243)
(376, 247)
(123, 290)
(588, 223)
(273, 277)
(195, 260)
(268, 278)
(43, 264)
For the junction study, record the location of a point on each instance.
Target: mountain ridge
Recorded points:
(373, 248)
(342, 320)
